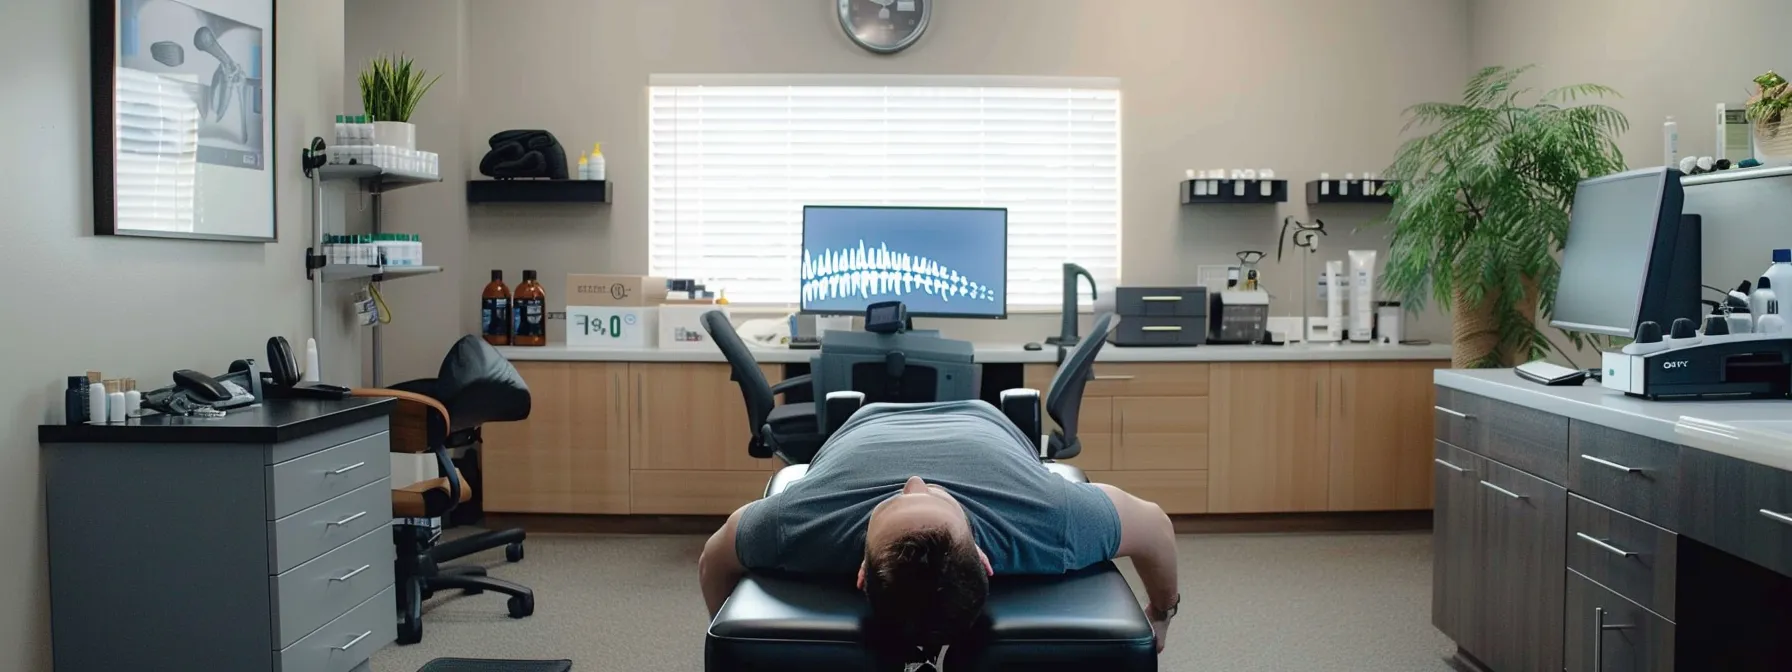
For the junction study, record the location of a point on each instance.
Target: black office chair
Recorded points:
(1065, 398)
(475, 385)
(789, 431)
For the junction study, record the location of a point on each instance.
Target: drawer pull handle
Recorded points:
(1599, 628)
(1453, 467)
(1450, 411)
(1601, 543)
(348, 468)
(1115, 377)
(1612, 465)
(346, 521)
(351, 643)
(1502, 491)
(350, 575)
(1160, 298)
(1160, 328)
(1777, 516)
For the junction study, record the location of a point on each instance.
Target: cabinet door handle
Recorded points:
(1449, 411)
(1611, 465)
(1160, 298)
(1115, 377)
(1599, 628)
(1502, 491)
(616, 391)
(345, 521)
(348, 468)
(1160, 328)
(1602, 544)
(1777, 516)
(350, 575)
(1453, 467)
(639, 413)
(351, 643)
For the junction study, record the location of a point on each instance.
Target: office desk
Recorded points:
(1212, 429)
(256, 541)
(1580, 529)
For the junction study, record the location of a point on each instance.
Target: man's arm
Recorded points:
(1147, 537)
(719, 568)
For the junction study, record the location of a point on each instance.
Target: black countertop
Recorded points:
(272, 421)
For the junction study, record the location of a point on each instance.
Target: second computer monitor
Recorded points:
(940, 262)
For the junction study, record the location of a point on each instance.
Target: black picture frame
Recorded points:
(250, 87)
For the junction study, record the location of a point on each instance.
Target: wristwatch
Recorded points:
(1152, 612)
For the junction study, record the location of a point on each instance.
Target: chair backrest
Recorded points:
(753, 386)
(1065, 398)
(478, 385)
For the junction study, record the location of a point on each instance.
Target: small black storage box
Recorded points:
(1160, 316)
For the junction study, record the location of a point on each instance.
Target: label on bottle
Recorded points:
(494, 318)
(532, 317)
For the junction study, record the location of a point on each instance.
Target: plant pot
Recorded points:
(402, 135)
(1773, 143)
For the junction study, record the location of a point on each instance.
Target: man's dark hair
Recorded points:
(926, 589)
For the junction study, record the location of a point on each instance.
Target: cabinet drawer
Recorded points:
(320, 529)
(1631, 557)
(343, 644)
(1160, 331)
(1131, 302)
(1095, 432)
(1532, 440)
(1160, 433)
(1176, 491)
(1637, 475)
(298, 484)
(1148, 380)
(315, 593)
(1607, 633)
(1742, 508)
(1452, 418)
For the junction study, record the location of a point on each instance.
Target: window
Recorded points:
(733, 160)
(158, 153)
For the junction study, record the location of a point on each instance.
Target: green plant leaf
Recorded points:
(393, 86)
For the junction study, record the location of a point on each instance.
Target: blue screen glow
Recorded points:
(937, 261)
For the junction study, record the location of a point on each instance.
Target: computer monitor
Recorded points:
(940, 262)
(1631, 255)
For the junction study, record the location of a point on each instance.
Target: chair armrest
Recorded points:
(791, 383)
(400, 445)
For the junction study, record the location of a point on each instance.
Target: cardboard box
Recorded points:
(681, 327)
(611, 327)
(621, 291)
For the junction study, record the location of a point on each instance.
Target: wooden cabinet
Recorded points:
(1381, 434)
(1153, 433)
(572, 454)
(690, 416)
(1456, 546)
(1607, 633)
(1271, 443)
(1144, 428)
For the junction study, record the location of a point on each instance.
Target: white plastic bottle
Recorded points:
(1761, 302)
(1772, 323)
(584, 168)
(114, 402)
(96, 401)
(1780, 275)
(133, 400)
(1670, 143)
(597, 161)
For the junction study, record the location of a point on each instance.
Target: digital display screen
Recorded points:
(1606, 260)
(939, 262)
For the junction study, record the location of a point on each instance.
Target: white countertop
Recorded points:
(1014, 353)
(1755, 430)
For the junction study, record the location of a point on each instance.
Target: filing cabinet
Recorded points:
(1160, 316)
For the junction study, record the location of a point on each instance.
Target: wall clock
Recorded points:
(885, 26)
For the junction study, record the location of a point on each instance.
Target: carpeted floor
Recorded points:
(1281, 603)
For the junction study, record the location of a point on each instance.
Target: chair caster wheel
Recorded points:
(410, 631)
(514, 552)
(521, 606)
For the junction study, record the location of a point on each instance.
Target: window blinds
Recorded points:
(732, 165)
(158, 152)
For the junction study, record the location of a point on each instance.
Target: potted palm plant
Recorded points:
(1481, 207)
(391, 88)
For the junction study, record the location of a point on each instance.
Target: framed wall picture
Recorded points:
(183, 119)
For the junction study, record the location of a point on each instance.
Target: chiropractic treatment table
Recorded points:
(1085, 620)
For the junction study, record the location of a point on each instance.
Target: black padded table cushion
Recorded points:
(1086, 620)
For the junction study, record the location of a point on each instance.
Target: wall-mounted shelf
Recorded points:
(538, 191)
(1349, 191)
(335, 272)
(374, 178)
(1228, 192)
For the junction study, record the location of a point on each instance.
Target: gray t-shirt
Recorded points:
(1027, 519)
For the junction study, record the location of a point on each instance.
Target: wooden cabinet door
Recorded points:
(690, 416)
(1523, 522)
(1381, 430)
(1094, 421)
(1152, 433)
(571, 455)
(1456, 556)
(1269, 449)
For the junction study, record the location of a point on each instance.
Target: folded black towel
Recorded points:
(524, 153)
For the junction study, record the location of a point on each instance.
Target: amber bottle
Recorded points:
(531, 306)
(494, 311)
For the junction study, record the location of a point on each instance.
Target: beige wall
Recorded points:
(1302, 86)
(128, 307)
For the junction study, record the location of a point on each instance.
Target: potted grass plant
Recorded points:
(1768, 110)
(391, 88)
(1481, 207)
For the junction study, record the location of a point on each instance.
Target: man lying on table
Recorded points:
(926, 502)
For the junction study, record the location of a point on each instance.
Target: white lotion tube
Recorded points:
(312, 368)
(1334, 300)
(1362, 295)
